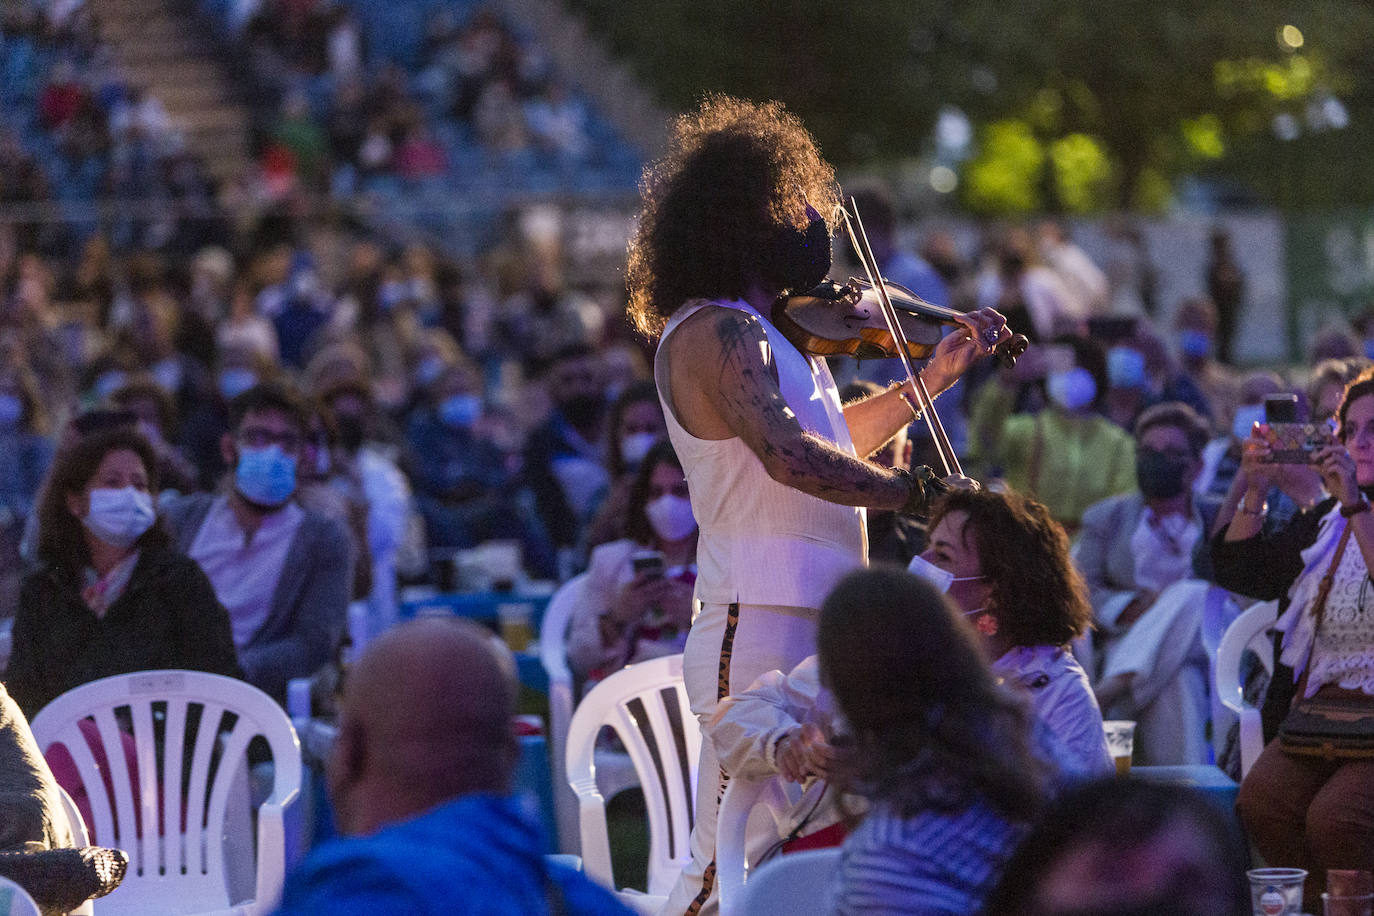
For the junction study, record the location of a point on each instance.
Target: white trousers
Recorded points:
(728, 648)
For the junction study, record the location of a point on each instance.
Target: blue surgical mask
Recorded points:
(265, 476)
(460, 411)
(235, 381)
(1125, 367)
(1072, 390)
(167, 373)
(1194, 344)
(109, 382)
(11, 410)
(429, 370)
(1247, 415)
(1369, 348)
(635, 446)
(937, 576)
(119, 516)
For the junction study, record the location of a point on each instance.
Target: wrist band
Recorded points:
(1350, 511)
(1244, 509)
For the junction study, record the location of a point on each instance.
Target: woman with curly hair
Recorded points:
(731, 219)
(1005, 563)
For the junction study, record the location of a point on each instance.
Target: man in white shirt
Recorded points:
(282, 572)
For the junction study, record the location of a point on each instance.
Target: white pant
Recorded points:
(728, 648)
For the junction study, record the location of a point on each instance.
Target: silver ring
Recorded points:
(990, 336)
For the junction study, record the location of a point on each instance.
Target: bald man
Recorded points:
(420, 779)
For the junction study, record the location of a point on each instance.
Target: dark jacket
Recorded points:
(1264, 567)
(167, 617)
(309, 604)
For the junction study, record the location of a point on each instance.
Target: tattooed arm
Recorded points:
(724, 384)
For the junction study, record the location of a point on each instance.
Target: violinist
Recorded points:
(731, 218)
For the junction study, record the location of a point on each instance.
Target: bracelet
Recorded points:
(906, 399)
(1244, 509)
(1356, 509)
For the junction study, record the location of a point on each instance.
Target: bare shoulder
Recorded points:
(717, 330)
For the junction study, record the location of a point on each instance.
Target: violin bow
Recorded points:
(859, 238)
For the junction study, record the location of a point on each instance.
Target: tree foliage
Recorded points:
(1116, 96)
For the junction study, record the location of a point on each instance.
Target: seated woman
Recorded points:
(637, 597)
(1310, 812)
(1000, 557)
(943, 755)
(636, 423)
(110, 594)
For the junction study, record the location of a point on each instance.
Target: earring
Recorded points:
(986, 624)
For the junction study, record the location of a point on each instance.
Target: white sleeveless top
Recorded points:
(762, 542)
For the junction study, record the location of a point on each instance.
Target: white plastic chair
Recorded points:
(15, 901)
(795, 883)
(743, 795)
(1250, 629)
(553, 655)
(80, 838)
(646, 705)
(171, 872)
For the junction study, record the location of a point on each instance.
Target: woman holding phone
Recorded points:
(636, 600)
(1309, 811)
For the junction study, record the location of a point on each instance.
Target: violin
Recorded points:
(846, 319)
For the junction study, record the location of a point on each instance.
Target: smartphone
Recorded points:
(1295, 443)
(1280, 408)
(648, 563)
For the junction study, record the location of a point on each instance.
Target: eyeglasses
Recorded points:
(257, 437)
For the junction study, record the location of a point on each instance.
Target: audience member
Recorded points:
(1068, 455)
(111, 594)
(1086, 283)
(1196, 324)
(282, 572)
(1031, 295)
(628, 613)
(563, 456)
(1127, 848)
(1226, 289)
(420, 778)
(26, 451)
(944, 756)
(1136, 553)
(1310, 812)
(635, 424)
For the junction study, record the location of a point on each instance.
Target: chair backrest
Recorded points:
(79, 837)
(553, 655)
(1247, 629)
(795, 883)
(15, 901)
(646, 705)
(169, 810)
(742, 795)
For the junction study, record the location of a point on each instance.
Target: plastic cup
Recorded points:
(1357, 905)
(1121, 743)
(1276, 891)
(517, 624)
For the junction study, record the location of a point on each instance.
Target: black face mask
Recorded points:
(582, 409)
(352, 431)
(800, 259)
(1158, 475)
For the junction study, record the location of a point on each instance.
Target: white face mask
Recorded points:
(119, 517)
(1072, 390)
(635, 446)
(942, 579)
(671, 517)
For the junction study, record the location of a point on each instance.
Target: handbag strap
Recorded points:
(1319, 606)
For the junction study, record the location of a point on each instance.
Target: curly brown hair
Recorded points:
(736, 172)
(1038, 596)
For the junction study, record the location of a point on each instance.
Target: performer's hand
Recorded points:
(979, 334)
(804, 752)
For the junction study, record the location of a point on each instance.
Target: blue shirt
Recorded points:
(478, 855)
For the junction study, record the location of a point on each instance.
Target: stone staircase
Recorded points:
(164, 48)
